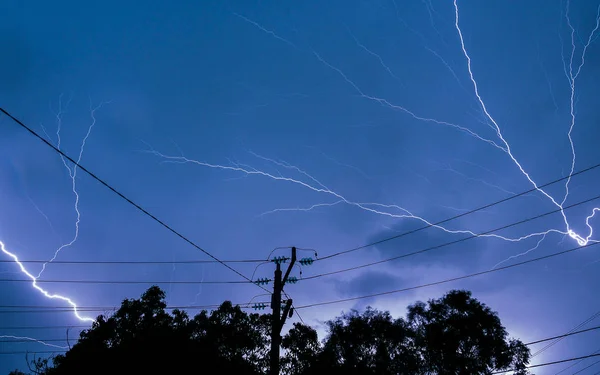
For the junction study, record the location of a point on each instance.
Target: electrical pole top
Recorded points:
(278, 320)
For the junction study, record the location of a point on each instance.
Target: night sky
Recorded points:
(248, 126)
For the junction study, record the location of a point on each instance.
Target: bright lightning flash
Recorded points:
(73, 176)
(33, 340)
(34, 283)
(500, 143)
(582, 241)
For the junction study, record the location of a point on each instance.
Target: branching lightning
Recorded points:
(377, 56)
(73, 176)
(309, 182)
(34, 283)
(389, 210)
(33, 340)
(572, 78)
(580, 240)
(385, 102)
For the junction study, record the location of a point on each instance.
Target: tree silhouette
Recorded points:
(455, 334)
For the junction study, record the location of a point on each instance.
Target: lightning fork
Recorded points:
(448, 168)
(33, 340)
(577, 237)
(45, 293)
(381, 101)
(73, 176)
(388, 210)
(521, 254)
(263, 29)
(376, 55)
(386, 103)
(572, 78)
(345, 165)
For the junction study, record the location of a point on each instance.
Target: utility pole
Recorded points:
(278, 319)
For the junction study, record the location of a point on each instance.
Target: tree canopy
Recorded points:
(455, 334)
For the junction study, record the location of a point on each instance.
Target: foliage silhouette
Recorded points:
(455, 334)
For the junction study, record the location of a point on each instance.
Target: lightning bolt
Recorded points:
(39, 210)
(521, 254)
(73, 175)
(386, 103)
(305, 209)
(199, 287)
(448, 168)
(572, 77)
(270, 32)
(34, 283)
(500, 143)
(389, 210)
(377, 56)
(33, 340)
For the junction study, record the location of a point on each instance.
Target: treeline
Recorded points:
(455, 334)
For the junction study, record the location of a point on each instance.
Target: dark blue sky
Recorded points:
(343, 114)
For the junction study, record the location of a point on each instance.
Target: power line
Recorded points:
(493, 373)
(563, 336)
(447, 280)
(42, 327)
(326, 273)
(588, 320)
(319, 275)
(141, 262)
(552, 363)
(21, 341)
(33, 352)
(136, 262)
(460, 215)
(128, 200)
(126, 282)
(63, 339)
(98, 309)
(451, 242)
(573, 365)
(107, 307)
(585, 368)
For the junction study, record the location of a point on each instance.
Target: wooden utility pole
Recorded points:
(278, 320)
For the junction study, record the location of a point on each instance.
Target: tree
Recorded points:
(142, 338)
(301, 347)
(455, 334)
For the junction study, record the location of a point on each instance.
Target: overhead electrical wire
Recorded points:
(588, 320)
(439, 282)
(128, 282)
(573, 365)
(553, 362)
(460, 215)
(322, 274)
(450, 242)
(526, 344)
(121, 195)
(217, 260)
(448, 280)
(135, 262)
(224, 263)
(128, 200)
